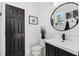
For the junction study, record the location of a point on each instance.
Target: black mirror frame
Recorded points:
(51, 20)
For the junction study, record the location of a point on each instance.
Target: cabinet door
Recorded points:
(65, 53)
(57, 51)
(50, 50)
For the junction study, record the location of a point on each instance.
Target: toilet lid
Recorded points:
(37, 47)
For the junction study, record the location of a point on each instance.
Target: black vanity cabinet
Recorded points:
(55, 51)
(50, 50)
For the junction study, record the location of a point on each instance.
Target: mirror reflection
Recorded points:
(65, 16)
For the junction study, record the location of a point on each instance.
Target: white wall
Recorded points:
(2, 31)
(32, 32)
(0, 24)
(45, 15)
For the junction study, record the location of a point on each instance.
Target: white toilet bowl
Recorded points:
(36, 50)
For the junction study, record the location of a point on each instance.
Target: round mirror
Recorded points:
(65, 16)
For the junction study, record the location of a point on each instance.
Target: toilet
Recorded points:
(39, 50)
(36, 50)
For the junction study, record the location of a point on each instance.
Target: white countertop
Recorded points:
(71, 46)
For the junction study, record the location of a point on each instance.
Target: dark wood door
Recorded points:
(15, 37)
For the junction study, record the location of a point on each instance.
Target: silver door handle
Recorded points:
(23, 34)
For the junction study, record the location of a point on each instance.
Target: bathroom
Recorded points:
(33, 30)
